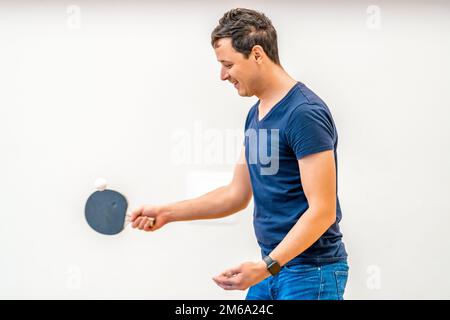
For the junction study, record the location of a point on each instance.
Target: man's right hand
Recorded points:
(139, 218)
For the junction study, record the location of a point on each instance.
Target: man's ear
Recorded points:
(258, 53)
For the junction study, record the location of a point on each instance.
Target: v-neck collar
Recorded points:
(276, 105)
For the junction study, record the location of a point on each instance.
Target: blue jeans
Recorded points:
(303, 282)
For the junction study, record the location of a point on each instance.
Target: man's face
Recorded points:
(241, 72)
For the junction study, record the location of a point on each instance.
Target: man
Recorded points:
(297, 210)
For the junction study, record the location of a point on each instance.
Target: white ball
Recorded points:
(100, 184)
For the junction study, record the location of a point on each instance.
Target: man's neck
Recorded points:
(276, 85)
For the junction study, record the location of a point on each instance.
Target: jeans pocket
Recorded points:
(341, 282)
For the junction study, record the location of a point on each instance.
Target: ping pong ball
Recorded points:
(100, 184)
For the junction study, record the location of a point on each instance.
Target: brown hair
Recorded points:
(247, 28)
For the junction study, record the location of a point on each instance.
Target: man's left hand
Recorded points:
(242, 277)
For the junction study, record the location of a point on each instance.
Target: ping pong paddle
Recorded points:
(106, 211)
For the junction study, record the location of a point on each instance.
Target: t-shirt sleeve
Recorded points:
(309, 130)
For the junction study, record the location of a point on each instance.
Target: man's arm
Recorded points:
(218, 203)
(318, 176)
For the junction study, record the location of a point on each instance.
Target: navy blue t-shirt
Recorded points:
(298, 125)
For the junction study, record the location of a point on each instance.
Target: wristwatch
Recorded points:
(272, 265)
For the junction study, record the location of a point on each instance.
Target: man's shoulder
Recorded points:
(307, 97)
(306, 102)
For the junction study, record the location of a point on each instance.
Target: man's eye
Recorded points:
(228, 66)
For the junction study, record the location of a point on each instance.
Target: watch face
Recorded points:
(272, 265)
(274, 268)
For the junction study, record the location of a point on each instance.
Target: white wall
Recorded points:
(103, 89)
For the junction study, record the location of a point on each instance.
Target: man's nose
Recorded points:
(224, 74)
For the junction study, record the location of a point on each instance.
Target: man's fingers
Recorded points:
(136, 213)
(228, 281)
(231, 282)
(222, 285)
(226, 286)
(232, 272)
(142, 223)
(136, 222)
(148, 224)
(227, 274)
